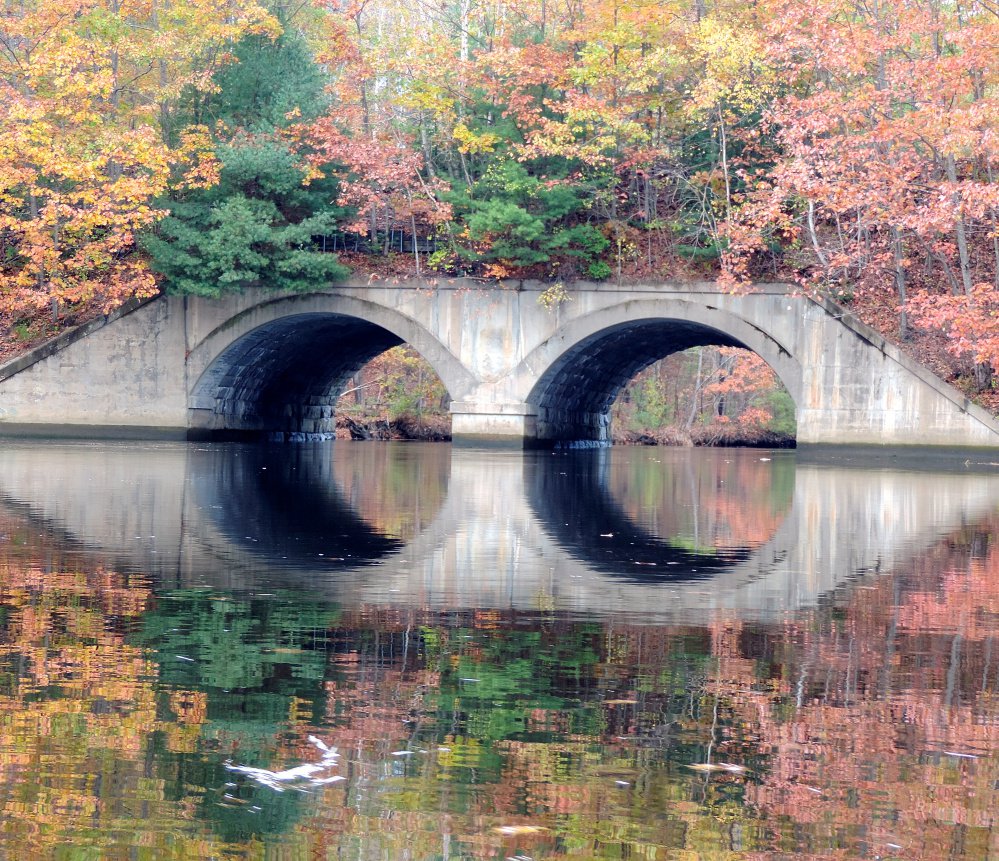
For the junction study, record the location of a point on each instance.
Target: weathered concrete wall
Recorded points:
(516, 371)
(126, 378)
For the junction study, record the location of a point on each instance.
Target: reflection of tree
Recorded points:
(882, 725)
(654, 517)
(867, 723)
(856, 723)
(257, 662)
(717, 500)
(395, 488)
(79, 710)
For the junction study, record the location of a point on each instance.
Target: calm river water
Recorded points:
(404, 651)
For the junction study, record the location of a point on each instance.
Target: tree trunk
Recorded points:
(962, 239)
(697, 390)
(900, 282)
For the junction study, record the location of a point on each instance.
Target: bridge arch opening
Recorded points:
(705, 396)
(574, 397)
(283, 379)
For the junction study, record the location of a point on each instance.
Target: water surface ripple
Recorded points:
(404, 651)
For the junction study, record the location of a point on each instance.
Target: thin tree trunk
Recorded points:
(900, 282)
(815, 239)
(464, 8)
(723, 140)
(697, 390)
(416, 245)
(962, 239)
(995, 233)
(425, 144)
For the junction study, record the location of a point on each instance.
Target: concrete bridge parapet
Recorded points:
(517, 372)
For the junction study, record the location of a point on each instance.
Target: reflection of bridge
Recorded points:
(516, 371)
(494, 533)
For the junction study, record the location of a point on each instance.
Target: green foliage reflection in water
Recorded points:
(121, 709)
(218, 642)
(526, 707)
(259, 660)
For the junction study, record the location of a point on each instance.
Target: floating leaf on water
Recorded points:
(709, 767)
(620, 702)
(517, 830)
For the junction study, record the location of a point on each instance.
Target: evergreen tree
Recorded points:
(256, 227)
(520, 219)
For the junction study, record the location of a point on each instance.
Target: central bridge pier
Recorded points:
(518, 372)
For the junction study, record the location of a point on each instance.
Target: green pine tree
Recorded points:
(524, 220)
(257, 226)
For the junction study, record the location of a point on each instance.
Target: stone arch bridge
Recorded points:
(517, 371)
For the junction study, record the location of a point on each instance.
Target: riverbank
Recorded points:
(428, 428)
(437, 428)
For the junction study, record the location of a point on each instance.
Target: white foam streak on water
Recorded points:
(306, 773)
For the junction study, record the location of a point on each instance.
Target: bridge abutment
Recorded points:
(490, 424)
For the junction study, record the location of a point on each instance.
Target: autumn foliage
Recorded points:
(844, 147)
(87, 89)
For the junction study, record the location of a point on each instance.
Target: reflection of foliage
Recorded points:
(259, 660)
(502, 687)
(395, 491)
(861, 723)
(80, 717)
(717, 501)
(209, 641)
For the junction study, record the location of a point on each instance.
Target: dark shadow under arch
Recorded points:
(282, 379)
(574, 396)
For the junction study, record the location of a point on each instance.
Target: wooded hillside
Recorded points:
(204, 147)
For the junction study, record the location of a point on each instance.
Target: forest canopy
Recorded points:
(202, 147)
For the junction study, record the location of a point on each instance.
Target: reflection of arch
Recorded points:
(570, 496)
(580, 372)
(280, 366)
(481, 539)
(281, 503)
